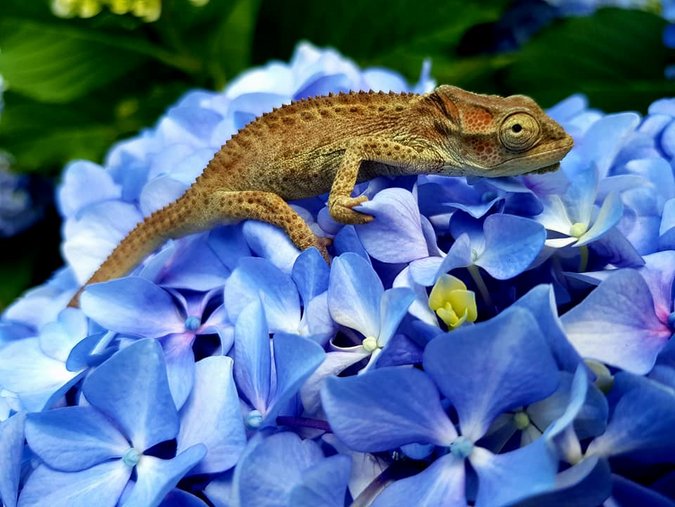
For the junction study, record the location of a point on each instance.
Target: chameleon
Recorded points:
(329, 143)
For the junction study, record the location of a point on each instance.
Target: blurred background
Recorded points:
(78, 75)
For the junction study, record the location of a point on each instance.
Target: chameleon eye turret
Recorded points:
(519, 132)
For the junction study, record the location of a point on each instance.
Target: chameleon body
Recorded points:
(328, 144)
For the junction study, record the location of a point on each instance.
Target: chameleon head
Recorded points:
(489, 135)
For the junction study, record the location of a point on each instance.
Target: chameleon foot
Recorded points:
(341, 210)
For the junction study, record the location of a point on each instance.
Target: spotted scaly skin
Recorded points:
(328, 144)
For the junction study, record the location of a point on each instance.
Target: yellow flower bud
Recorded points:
(452, 302)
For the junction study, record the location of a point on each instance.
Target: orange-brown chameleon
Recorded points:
(327, 144)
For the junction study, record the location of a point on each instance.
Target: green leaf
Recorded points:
(394, 33)
(616, 57)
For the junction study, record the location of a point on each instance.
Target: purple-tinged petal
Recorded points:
(323, 484)
(257, 279)
(267, 474)
(393, 307)
(310, 274)
(659, 274)
(100, 485)
(667, 226)
(84, 183)
(132, 389)
(156, 477)
(180, 365)
(37, 379)
(642, 423)
(11, 450)
(586, 483)
(540, 301)
(504, 479)
(616, 324)
(295, 359)
(180, 498)
(491, 367)
(132, 305)
(211, 416)
(74, 438)
(397, 223)
(252, 356)
(354, 294)
(443, 483)
(511, 244)
(386, 408)
(609, 215)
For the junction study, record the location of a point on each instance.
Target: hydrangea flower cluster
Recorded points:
(483, 342)
(147, 10)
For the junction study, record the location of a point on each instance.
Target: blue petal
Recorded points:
(211, 416)
(393, 307)
(100, 485)
(134, 306)
(84, 183)
(609, 215)
(511, 348)
(616, 324)
(258, 279)
(11, 450)
(132, 389)
(156, 477)
(347, 240)
(625, 492)
(615, 249)
(386, 408)
(295, 359)
(642, 423)
(323, 484)
(271, 243)
(58, 338)
(310, 274)
(540, 301)
(180, 365)
(425, 271)
(460, 255)
(503, 479)
(395, 235)
(511, 244)
(440, 484)
(576, 392)
(180, 498)
(74, 438)
(252, 356)
(267, 474)
(354, 294)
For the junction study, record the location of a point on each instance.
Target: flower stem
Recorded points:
(583, 258)
(303, 422)
(480, 284)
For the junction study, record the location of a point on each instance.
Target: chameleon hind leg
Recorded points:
(266, 207)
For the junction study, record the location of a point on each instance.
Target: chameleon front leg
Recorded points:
(267, 207)
(340, 200)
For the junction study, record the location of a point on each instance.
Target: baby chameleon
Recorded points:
(328, 144)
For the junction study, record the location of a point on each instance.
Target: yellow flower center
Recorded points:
(452, 302)
(369, 344)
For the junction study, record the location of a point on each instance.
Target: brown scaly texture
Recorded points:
(327, 144)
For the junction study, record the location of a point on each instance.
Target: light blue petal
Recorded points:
(316, 322)
(180, 365)
(586, 483)
(258, 279)
(37, 379)
(503, 479)
(74, 438)
(100, 485)
(211, 416)
(252, 356)
(511, 244)
(295, 359)
(132, 305)
(271, 243)
(324, 484)
(616, 324)
(540, 301)
(132, 389)
(58, 338)
(393, 307)
(395, 235)
(156, 477)
(511, 348)
(440, 484)
(310, 274)
(609, 215)
(425, 271)
(266, 475)
(580, 196)
(642, 423)
(346, 240)
(576, 395)
(386, 408)
(82, 184)
(11, 450)
(159, 192)
(354, 294)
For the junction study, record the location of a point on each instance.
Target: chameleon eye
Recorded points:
(519, 132)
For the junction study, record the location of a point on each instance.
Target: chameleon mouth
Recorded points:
(547, 169)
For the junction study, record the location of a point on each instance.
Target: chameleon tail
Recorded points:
(172, 221)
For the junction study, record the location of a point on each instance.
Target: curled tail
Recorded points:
(174, 220)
